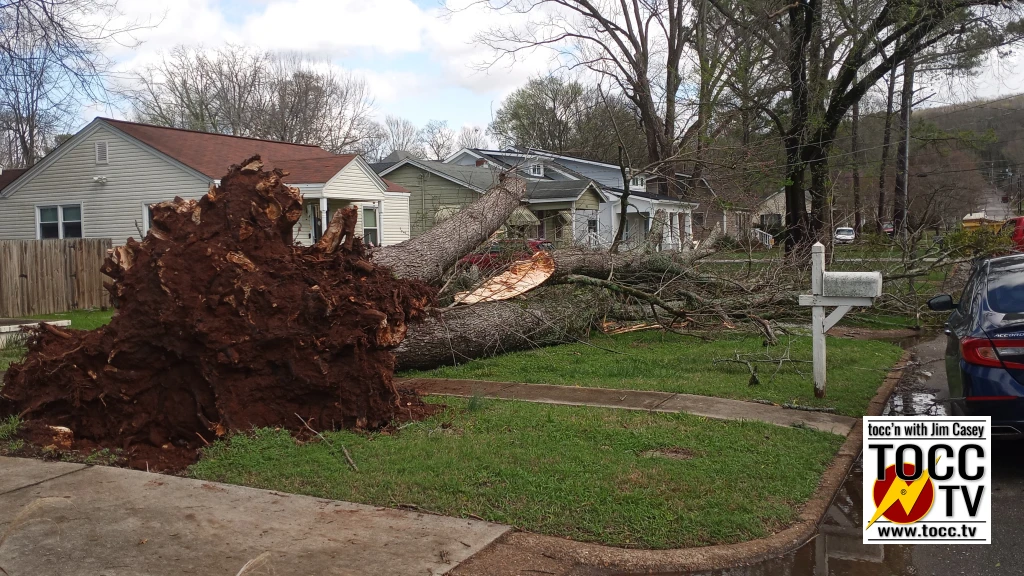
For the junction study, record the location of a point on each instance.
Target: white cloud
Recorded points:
(335, 27)
(168, 24)
(391, 86)
(452, 41)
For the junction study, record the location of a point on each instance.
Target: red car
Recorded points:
(503, 252)
(1014, 228)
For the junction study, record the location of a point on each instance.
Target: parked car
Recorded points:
(888, 229)
(844, 236)
(1014, 228)
(500, 253)
(985, 345)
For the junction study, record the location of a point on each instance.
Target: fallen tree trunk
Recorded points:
(550, 315)
(428, 256)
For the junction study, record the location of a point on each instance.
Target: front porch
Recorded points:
(317, 214)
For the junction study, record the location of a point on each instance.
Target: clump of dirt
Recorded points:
(224, 324)
(672, 453)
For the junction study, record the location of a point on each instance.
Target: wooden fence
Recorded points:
(48, 276)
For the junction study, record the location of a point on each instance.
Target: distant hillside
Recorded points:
(964, 158)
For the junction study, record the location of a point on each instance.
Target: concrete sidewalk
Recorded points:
(72, 519)
(707, 406)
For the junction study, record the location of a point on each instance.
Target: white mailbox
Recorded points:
(844, 290)
(851, 284)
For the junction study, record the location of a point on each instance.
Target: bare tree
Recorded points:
(438, 139)
(243, 92)
(636, 47)
(401, 135)
(52, 56)
(472, 137)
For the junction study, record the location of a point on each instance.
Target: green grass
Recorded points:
(10, 354)
(82, 319)
(664, 361)
(8, 429)
(581, 473)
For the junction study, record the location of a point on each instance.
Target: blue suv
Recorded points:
(985, 348)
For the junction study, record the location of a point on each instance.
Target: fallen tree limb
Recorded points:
(621, 289)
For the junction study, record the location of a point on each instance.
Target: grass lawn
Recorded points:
(582, 473)
(82, 319)
(655, 360)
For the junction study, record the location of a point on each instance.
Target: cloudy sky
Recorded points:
(419, 59)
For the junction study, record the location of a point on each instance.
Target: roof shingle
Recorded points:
(212, 154)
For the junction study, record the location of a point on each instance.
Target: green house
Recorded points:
(562, 211)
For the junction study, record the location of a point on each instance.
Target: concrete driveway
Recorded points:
(70, 519)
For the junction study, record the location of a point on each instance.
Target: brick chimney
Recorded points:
(480, 162)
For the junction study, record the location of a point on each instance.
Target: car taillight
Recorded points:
(996, 353)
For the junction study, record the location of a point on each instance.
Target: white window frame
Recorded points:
(147, 221)
(537, 169)
(637, 182)
(106, 152)
(60, 219)
(376, 211)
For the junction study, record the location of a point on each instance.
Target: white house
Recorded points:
(101, 182)
(642, 203)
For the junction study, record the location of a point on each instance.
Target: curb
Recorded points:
(720, 556)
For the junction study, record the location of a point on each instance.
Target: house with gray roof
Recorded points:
(681, 225)
(563, 211)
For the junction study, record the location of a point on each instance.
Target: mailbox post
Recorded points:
(843, 290)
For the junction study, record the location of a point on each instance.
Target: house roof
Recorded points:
(542, 190)
(212, 154)
(392, 187)
(10, 175)
(650, 196)
(480, 179)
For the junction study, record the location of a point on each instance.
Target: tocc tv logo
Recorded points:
(926, 480)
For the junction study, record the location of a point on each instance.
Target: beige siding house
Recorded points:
(101, 182)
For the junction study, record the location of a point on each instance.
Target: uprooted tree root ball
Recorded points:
(224, 324)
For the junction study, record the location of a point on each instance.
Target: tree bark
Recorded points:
(623, 202)
(900, 201)
(886, 143)
(858, 217)
(550, 315)
(428, 256)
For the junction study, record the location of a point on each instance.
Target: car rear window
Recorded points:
(1006, 290)
(546, 246)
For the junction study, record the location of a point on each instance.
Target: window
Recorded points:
(537, 169)
(698, 219)
(1004, 290)
(60, 221)
(638, 182)
(771, 220)
(371, 230)
(592, 225)
(102, 156)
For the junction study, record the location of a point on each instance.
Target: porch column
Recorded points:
(673, 230)
(572, 225)
(323, 216)
(688, 226)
